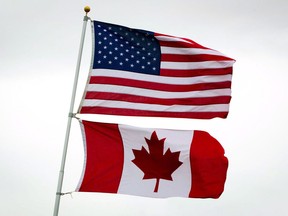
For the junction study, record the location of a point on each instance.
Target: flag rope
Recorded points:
(62, 194)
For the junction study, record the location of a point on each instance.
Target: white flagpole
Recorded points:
(70, 116)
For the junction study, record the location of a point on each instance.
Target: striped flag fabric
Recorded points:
(141, 73)
(151, 162)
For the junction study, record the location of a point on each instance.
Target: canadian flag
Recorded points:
(151, 162)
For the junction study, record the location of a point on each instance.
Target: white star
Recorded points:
(104, 56)
(110, 62)
(99, 62)
(154, 68)
(110, 52)
(143, 67)
(131, 65)
(105, 38)
(121, 63)
(99, 42)
(127, 59)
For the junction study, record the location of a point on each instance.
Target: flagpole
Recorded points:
(70, 116)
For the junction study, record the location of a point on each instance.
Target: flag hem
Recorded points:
(85, 156)
(90, 69)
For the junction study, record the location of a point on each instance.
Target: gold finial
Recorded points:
(87, 9)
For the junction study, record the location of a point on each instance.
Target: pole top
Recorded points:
(87, 9)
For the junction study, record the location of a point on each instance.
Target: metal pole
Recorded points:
(70, 116)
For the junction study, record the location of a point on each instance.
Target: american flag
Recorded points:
(141, 73)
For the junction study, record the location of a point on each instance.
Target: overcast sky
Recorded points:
(39, 44)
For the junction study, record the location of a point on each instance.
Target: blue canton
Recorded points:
(122, 48)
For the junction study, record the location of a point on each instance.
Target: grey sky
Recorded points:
(39, 44)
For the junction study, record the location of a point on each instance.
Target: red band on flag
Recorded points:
(209, 166)
(104, 161)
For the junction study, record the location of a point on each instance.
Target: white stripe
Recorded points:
(189, 51)
(167, 38)
(160, 79)
(156, 93)
(196, 65)
(155, 107)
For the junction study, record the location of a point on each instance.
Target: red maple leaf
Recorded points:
(155, 164)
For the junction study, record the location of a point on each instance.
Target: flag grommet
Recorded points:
(71, 115)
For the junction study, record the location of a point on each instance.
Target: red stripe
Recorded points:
(159, 86)
(105, 158)
(149, 100)
(208, 166)
(132, 112)
(192, 58)
(193, 73)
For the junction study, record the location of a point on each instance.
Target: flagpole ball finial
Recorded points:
(87, 9)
